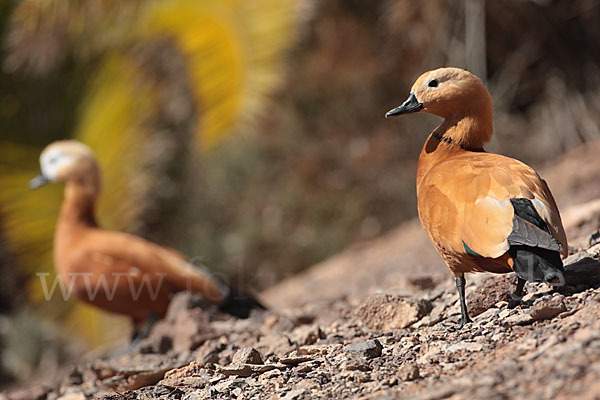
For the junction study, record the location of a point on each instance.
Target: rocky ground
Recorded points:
(375, 322)
(385, 346)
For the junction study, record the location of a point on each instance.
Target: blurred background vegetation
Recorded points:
(250, 134)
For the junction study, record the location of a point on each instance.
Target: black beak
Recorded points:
(411, 105)
(38, 181)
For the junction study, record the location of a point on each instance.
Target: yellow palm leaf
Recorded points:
(233, 52)
(111, 124)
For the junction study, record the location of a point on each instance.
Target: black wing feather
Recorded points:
(529, 229)
(535, 251)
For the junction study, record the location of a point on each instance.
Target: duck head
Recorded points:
(459, 97)
(67, 161)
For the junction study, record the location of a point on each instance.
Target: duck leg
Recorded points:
(464, 315)
(517, 295)
(142, 332)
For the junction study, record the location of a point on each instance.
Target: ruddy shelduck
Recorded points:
(116, 271)
(482, 211)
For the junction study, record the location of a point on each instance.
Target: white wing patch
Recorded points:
(487, 225)
(541, 210)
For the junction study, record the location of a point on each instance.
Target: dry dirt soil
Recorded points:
(375, 322)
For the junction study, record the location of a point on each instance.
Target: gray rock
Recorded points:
(368, 349)
(581, 268)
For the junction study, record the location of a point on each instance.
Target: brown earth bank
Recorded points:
(375, 322)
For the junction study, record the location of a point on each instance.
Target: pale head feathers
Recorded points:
(70, 161)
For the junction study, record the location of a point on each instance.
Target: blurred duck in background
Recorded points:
(115, 271)
(482, 211)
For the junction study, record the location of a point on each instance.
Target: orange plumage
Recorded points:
(482, 211)
(116, 271)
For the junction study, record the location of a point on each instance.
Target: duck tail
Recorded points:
(240, 304)
(535, 264)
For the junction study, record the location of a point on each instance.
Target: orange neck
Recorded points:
(76, 217)
(468, 131)
(453, 137)
(78, 205)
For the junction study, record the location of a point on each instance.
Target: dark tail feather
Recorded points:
(240, 304)
(538, 265)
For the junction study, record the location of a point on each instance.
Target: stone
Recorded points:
(486, 315)
(309, 384)
(228, 385)
(245, 370)
(585, 270)
(274, 344)
(130, 373)
(247, 355)
(185, 327)
(408, 372)
(354, 362)
(547, 308)
(307, 334)
(320, 349)
(518, 319)
(295, 359)
(385, 312)
(294, 394)
(464, 346)
(369, 349)
(506, 313)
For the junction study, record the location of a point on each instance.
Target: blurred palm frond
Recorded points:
(233, 50)
(111, 123)
(166, 78)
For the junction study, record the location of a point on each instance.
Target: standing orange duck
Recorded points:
(482, 211)
(116, 271)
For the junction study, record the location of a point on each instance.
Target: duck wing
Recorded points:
(494, 202)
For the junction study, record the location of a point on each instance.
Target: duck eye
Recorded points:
(433, 83)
